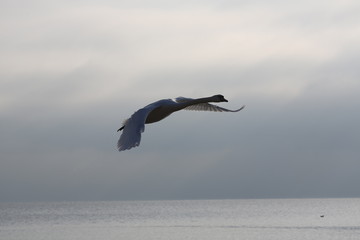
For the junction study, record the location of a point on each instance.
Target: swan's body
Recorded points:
(154, 112)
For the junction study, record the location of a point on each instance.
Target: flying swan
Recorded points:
(154, 112)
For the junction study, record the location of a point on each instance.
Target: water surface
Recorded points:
(275, 219)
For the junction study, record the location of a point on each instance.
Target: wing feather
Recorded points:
(205, 106)
(133, 127)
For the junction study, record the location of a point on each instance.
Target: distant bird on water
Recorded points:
(154, 112)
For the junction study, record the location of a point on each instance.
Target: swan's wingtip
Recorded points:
(122, 147)
(242, 107)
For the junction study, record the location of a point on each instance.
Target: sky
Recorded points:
(72, 71)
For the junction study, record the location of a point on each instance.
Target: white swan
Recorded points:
(154, 112)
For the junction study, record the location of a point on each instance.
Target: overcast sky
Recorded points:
(72, 71)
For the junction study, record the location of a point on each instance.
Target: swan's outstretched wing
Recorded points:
(135, 125)
(205, 106)
(132, 129)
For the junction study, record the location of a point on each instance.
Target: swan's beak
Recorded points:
(225, 100)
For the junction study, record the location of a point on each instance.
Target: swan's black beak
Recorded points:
(225, 100)
(120, 129)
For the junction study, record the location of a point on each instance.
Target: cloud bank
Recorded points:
(71, 72)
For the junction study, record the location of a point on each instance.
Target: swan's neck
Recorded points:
(163, 111)
(179, 106)
(195, 101)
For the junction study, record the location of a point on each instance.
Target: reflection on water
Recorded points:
(196, 219)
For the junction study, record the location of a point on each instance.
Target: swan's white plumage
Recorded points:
(135, 125)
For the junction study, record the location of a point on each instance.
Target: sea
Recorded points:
(253, 219)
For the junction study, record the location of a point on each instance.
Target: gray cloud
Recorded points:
(70, 74)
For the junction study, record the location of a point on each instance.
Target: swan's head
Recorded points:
(219, 98)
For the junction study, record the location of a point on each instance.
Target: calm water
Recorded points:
(276, 219)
